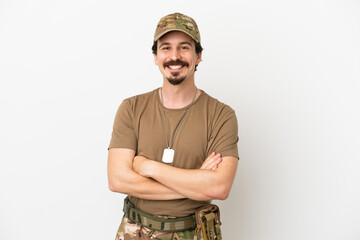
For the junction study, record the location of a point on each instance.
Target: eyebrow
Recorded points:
(187, 43)
(164, 44)
(181, 43)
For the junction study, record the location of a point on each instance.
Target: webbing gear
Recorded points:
(179, 224)
(208, 223)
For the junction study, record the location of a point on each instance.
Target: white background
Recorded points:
(290, 69)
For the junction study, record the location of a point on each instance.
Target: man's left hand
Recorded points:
(142, 165)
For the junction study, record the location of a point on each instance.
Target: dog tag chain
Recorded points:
(168, 154)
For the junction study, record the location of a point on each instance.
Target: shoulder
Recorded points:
(216, 106)
(144, 97)
(140, 101)
(135, 104)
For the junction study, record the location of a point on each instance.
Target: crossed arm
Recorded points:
(148, 179)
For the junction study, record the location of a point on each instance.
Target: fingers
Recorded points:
(207, 161)
(211, 163)
(215, 166)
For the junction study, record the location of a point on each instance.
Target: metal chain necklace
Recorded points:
(168, 155)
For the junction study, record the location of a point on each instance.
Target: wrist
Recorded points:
(149, 168)
(146, 167)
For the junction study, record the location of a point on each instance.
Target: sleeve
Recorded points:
(224, 135)
(123, 134)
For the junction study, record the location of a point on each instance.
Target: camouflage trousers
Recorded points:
(133, 231)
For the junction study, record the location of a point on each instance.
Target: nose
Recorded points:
(175, 54)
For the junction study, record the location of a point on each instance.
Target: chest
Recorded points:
(187, 134)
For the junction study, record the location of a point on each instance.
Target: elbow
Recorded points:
(221, 193)
(112, 187)
(115, 186)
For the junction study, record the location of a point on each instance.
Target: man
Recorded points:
(173, 149)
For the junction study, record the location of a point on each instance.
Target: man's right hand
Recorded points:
(212, 161)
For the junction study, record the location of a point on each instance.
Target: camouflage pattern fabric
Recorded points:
(177, 22)
(133, 231)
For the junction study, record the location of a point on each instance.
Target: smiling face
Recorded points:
(176, 57)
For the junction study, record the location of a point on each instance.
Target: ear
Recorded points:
(155, 59)
(198, 60)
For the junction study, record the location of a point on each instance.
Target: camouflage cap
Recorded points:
(177, 22)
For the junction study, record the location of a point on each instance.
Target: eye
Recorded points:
(165, 48)
(184, 47)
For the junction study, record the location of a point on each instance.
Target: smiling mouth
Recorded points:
(176, 65)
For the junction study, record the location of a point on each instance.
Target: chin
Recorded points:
(175, 81)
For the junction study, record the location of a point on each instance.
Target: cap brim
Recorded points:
(157, 37)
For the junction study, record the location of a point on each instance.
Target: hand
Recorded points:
(212, 161)
(140, 165)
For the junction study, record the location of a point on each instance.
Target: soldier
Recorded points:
(173, 149)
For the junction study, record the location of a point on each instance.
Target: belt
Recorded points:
(178, 224)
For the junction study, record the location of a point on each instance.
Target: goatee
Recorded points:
(175, 81)
(173, 78)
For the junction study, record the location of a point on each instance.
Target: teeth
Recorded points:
(175, 66)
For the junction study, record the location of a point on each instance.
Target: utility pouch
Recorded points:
(208, 223)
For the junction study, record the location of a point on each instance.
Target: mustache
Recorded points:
(177, 62)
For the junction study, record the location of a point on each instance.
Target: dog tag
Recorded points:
(168, 155)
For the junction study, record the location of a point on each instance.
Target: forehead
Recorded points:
(175, 37)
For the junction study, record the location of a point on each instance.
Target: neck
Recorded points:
(178, 96)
